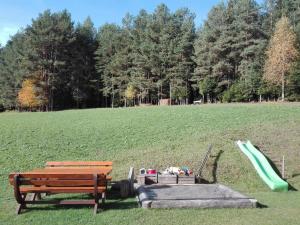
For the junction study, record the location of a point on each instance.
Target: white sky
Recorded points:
(6, 32)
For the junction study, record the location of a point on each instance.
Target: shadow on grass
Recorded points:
(261, 206)
(215, 166)
(290, 187)
(46, 207)
(296, 175)
(270, 161)
(113, 202)
(121, 204)
(217, 157)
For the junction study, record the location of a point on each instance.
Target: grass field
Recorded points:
(156, 137)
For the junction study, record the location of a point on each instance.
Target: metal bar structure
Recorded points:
(283, 167)
(205, 160)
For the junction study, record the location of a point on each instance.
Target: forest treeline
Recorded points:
(55, 64)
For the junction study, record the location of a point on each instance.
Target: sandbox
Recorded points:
(192, 196)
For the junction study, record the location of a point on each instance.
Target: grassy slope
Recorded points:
(156, 137)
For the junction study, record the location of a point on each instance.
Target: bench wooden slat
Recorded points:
(68, 175)
(59, 182)
(78, 167)
(103, 170)
(98, 170)
(79, 163)
(61, 189)
(64, 172)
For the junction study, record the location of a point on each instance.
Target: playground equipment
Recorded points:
(263, 167)
(205, 160)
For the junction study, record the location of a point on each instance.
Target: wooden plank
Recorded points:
(98, 170)
(60, 182)
(60, 173)
(87, 176)
(141, 179)
(167, 179)
(43, 178)
(79, 163)
(44, 189)
(63, 202)
(103, 170)
(186, 179)
(78, 167)
(66, 170)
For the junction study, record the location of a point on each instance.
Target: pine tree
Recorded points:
(250, 43)
(146, 69)
(182, 50)
(109, 41)
(83, 81)
(48, 39)
(12, 70)
(211, 49)
(229, 49)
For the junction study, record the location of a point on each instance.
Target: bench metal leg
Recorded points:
(19, 208)
(21, 205)
(38, 196)
(103, 197)
(96, 208)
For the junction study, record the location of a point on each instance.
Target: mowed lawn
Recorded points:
(156, 137)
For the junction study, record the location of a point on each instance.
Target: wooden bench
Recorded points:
(37, 183)
(80, 165)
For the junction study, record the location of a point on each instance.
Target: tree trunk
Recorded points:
(170, 94)
(51, 99)
(282, 88)
(260, 98)
(158, 95)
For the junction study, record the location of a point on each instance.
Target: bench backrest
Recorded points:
(58, 180)
(79, 164)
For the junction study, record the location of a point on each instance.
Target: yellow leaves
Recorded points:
(281, 53)
(130, 92)
(28, 96)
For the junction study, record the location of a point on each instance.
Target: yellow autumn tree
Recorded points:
(28, 96)
(281, 54)
(130, 93)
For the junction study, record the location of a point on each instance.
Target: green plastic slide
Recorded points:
(263, 167)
